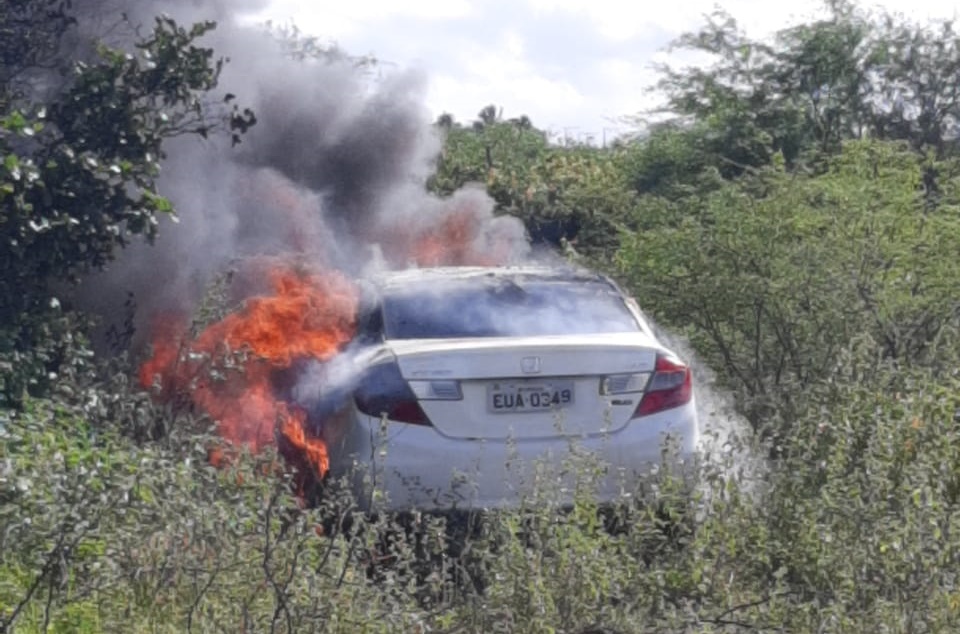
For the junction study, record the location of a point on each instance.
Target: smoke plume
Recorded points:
(334, 171)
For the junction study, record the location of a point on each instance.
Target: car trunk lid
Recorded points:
(528, 387)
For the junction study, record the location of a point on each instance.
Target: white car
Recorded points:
(464, 384)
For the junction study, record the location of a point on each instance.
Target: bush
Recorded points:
(771, 277)
(851, 530)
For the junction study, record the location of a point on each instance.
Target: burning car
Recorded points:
(460, 380)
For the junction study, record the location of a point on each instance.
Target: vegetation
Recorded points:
(795, 218)
(77, 180)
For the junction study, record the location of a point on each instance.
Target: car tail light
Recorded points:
(384, 392)
(670, 386)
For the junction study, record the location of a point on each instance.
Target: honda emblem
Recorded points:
(530, 365)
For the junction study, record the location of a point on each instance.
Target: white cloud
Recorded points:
(501, 73)
(528, 57)
(618, 20)
(340, 19)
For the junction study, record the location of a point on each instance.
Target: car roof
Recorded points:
(398, 280)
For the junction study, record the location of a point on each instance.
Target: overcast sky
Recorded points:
(575, 67)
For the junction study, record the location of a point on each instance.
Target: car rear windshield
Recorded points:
(505, 308)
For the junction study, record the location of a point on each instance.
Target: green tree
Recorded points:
(855, 74)
(572, 195)
(78, 171)
(771, 276)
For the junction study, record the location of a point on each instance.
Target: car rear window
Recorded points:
(505, 308)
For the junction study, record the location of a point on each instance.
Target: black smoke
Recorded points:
(338, 158)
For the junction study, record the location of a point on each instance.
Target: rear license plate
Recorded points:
(510, 398)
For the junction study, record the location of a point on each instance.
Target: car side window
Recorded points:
(369, 324)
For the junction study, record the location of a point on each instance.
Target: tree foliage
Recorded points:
(571, 195)
(853, 75)
(802, 195)
(772, 276)
(78, 172)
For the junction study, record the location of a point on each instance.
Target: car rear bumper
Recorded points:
(399, 467)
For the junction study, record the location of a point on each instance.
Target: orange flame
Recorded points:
(228, 370)
(231, 368)
(450, 243)
(460, 237)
